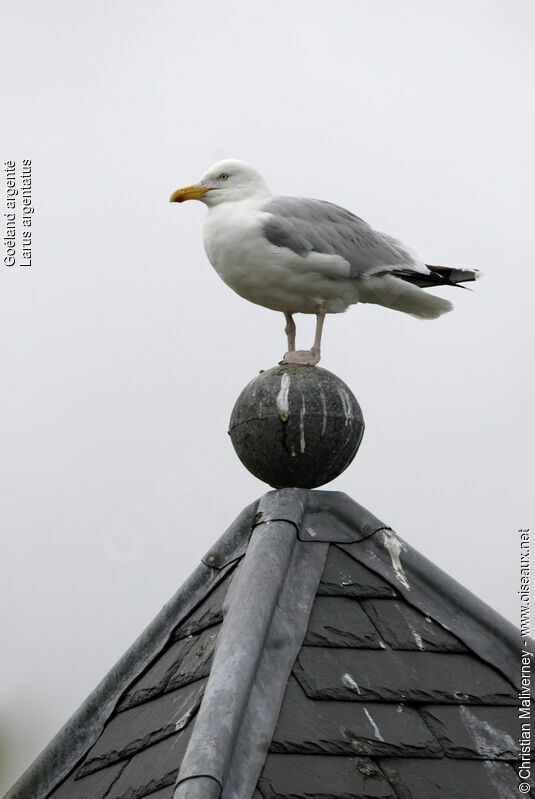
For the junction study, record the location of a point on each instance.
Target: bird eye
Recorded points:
(223, 176)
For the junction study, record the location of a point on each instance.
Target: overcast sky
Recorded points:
(122, 352)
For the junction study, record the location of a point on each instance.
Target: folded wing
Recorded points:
(305, 225)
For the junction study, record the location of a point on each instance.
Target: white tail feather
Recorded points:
(391, 292)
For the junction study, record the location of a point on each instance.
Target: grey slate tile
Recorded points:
(344, 576)
(196, 662)
(447, 779)
(322, 777)
(144, 725)
(209, 612)
(327, 727)
(386, 675)
(152, 769)
(405, 627)
(152, 683)
(183, 662)
(475, 731)
(340, 621)
(95, 786)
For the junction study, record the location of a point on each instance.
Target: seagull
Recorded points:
(299, 255)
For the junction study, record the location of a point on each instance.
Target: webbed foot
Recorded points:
(302, 357)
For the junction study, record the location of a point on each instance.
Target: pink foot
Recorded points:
(302, 357)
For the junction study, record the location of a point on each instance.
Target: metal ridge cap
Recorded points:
(233, 543)
(73, 740)
(283, 505)
(305, 507)
(81, 730)
(352, 522)
(266, 614)
(248, 614)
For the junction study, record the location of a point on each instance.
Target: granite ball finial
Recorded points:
(296, 426)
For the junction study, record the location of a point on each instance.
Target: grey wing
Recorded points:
(305, 225)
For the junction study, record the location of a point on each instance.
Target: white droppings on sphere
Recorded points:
(346, 404)
(302, 425)
(282, 400)
(324, 407)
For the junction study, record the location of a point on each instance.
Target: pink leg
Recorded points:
(308, 357)
(290, 331)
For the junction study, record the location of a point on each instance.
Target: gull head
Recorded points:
(227, 181)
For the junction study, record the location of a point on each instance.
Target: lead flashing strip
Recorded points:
(333, 516)
(266, 617)
(285, 639)
(234, 541)
(319, 515)
(75, 738)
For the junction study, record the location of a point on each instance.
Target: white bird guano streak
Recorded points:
(374, 725)
(282, 398)
(346, 404)
(324, 407)
(393, 545)
(349, 682)
(417, 637)
(484, 735)
(302, 425)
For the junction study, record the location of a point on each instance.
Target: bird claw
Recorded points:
(302, 357)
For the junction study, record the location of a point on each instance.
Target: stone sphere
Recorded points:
(296, 426)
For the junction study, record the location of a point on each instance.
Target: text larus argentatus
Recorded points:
(298, 255)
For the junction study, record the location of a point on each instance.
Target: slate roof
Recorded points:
(313, 654)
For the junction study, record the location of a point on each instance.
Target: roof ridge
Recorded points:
(291, 519)
(266, 617)
(83, 728)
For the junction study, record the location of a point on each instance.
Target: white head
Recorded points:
(227, 181)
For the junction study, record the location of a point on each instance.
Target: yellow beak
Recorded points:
(188, 193)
